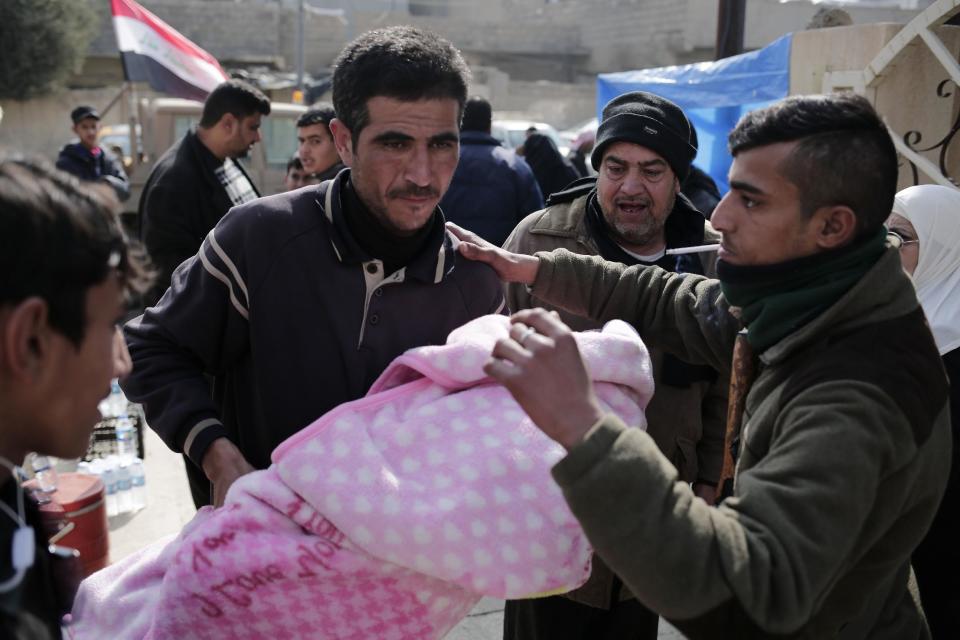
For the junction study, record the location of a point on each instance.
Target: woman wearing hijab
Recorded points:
(552, 171)
(926, 218)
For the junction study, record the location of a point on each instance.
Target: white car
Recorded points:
(512, 133)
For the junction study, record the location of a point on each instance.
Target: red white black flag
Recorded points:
(152, 51)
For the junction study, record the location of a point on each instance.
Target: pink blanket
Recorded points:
(389, 517)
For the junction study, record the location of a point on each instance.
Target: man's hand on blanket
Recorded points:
(223, 463)
(510, 267)
(541, 366)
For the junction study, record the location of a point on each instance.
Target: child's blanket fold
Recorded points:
(388, 517)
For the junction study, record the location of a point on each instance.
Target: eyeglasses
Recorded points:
(901, 241)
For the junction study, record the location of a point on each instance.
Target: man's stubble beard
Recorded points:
(650, 230)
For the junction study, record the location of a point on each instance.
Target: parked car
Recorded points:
(512, 133)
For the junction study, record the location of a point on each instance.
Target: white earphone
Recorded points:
(23, 549)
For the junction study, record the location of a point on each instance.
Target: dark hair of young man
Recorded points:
(403, 63)
(234, 97)
(844, 155)
(58, 238)
(321, 113)
(477, 115)
(294, 163)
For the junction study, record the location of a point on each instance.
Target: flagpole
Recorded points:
(132, 119)
(300, 48)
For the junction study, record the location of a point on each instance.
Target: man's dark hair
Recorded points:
(403, 63)
(477, 115)
(58, 238)
(844, 154)
(234, 97)
(294, 163)
(321, 113)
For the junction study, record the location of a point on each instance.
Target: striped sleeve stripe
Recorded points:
(230, 266)
(197, 430)
(222, 277)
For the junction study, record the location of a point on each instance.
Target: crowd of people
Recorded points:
(795, 477)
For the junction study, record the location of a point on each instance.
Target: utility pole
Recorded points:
(730, 18)
(300, 17)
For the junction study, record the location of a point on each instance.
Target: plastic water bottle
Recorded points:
(139, 481)
(44, 473)
(126, 446)
(124, 489)
(115, 404)
(109, 476)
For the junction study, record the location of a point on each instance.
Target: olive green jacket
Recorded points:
(844, 456)
(686, 422)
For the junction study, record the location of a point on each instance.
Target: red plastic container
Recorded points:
(79, 499)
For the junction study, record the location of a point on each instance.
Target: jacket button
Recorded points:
(374, 319)
(372, 267)
(378, 292)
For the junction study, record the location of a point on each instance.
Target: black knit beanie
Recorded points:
(649, 121)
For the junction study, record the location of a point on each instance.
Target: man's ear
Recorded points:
(229, 123)
(837, 226)
(343, 139)
(25, 336)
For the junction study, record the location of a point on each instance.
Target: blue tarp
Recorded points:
(713, 94)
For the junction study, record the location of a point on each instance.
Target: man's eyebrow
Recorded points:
(393, 136)
(739, 185)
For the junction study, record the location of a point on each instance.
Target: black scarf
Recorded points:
(379, 242)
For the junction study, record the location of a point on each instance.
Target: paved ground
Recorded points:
(169, 507)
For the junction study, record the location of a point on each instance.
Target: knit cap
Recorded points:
(649, 121)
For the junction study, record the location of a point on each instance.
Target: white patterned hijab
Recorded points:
(934, 212)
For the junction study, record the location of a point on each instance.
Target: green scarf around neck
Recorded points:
(777, 299)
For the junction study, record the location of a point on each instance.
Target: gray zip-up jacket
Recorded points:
(291, 318)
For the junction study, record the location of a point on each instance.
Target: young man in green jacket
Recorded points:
(844, 444)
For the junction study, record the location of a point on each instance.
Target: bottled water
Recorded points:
(109, 476)
(44, 473)
(126, 436)
(139, 482)
(124, 489)
(115, 405)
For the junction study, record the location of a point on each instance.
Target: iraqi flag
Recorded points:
(152, 51)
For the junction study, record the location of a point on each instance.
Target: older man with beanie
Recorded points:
(630, 213)
(493, 188)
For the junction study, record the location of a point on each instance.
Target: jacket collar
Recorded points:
(885, 292)
(431, 265)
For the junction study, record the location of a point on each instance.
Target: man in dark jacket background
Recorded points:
(89, 161)
(197, 180)
(493, 188)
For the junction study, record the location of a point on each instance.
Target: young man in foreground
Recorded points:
(65, 270)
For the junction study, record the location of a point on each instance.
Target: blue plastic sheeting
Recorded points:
(713, 94)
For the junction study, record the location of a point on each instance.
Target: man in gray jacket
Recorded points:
(631, 213)
(844, 444)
